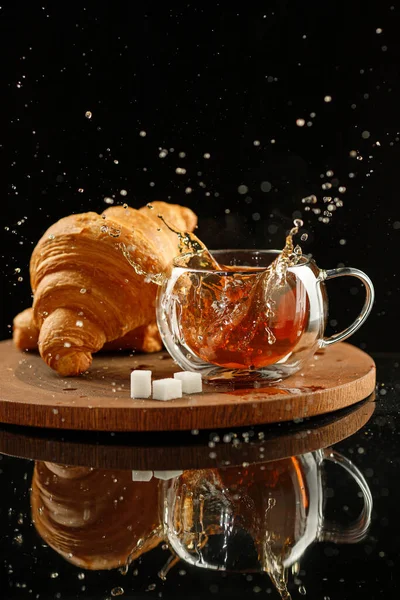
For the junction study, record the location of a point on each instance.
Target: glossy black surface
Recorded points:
(367, 569)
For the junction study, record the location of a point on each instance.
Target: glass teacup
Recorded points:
(274, 510)
(219, 322)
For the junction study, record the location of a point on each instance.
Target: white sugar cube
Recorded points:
(140, 384)
(165, 475)
(191, 382)
(167, 389)
(142, 475)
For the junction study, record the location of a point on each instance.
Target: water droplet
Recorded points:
(113, 232)
(108, 200)
(81, 190)
(256, 142)
(117, 591)
(243, 189)
(328, 99)
(266, 186)
(123, 192)
(88, 114)
(300, 122)
(207, 155)
(302, 590)
(304, 237)
(79, 323)
(365, 135)
(83, 290)
(188, 190)
(54, 575)
(180, 171)
(142, 133)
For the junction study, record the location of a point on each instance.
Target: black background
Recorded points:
(207, 79)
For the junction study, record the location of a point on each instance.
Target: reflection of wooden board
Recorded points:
(183, 451)
(32, 394)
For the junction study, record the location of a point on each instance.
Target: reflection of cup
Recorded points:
(213, 320)
(258, 517)
(96, 519)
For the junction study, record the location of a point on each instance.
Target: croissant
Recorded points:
(96, 519)
(87, 294)
(143, 339)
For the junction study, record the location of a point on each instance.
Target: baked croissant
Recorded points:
(87, 294)
(144, 339)
(96, 519)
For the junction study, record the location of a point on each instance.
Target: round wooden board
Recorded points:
(183, 451)
(32, 394)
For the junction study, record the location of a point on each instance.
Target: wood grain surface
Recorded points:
(180, 451)
(34, 395)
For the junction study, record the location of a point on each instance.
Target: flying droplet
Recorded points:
(243, 189)
(88, 114)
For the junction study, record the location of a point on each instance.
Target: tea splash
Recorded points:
(235, 317)
(241, 317)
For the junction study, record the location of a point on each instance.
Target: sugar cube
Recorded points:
(167, 389)
(142, 475)
(191, 382)
(140, 384)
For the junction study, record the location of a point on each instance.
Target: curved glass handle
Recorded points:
(369, 301)
(356, 531)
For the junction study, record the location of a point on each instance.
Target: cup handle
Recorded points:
(356, 531)
(369, 301)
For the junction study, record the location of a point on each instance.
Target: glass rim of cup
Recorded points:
(304, 260)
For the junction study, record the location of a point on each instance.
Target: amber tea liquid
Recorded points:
(227, 320)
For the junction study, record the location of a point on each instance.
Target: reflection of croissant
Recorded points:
(86, 294)
(96, 519)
